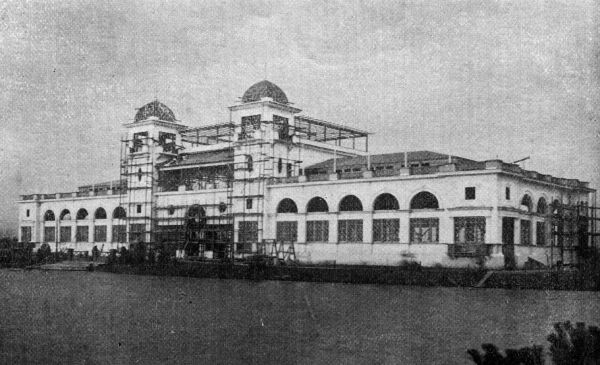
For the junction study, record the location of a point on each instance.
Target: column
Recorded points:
(368, 227)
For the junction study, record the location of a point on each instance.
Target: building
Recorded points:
(273, 181)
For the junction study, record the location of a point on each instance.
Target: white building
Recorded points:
(273, 181)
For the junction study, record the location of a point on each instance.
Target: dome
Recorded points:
(264, 89)
(155, 109)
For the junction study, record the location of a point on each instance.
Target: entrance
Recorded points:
(508, 242)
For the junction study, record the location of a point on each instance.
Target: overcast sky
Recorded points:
(479, 79)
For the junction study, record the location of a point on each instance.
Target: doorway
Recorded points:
(508, 242)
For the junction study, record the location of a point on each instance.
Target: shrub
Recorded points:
(43, 253)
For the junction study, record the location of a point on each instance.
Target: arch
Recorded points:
(65, 215)
(81, 214)
(287, 205)
(350, 203)
(49, 215)
(317, 204)
(386, 201)
(196, 214)
(542, 206)
(527, 202)
(100, 213)
(556, 206)
(424, 200)
(119, 213)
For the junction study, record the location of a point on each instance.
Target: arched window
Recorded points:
(81, 214)
(119, 213)
(100, 213)
(287, 205)
(350, 203)
(65, 215)
(196, 214)
(556, 206)
(386, 201)
(317, 204)
(49, 215)
(424, 200)
(542, 206)
(526, 203)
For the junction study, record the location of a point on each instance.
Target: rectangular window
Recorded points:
(248, 232)
(525, 232)
(49, 234)
(540, 233)
(25, 234)
(139, 208)
(287, 231)
(170, 233)
(139, 139)
(248, 203)
(167, 141)
(424, 230)
(82, 234)
(350, 230)
(27, 213)
(136, 232)
(282, 127)
(469, 230)
(386, 230)
(65, 234)
(249, 124)
(119, 233)
(289, 170)
(507, 193)
(100, 234)
(317, 231)
(470, 193)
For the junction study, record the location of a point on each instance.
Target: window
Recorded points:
(119, 233)
(282, 127)
(136, 232)
(470, 193)
(249, 163)
(138, 208)
(424, 230)
(248, 203)
(526, 203)
(525, 232)
(100, 234)
(249, 125)
(289, 170)
(469, 230)
(222, 207)
(65, 215)
(82, 234)
(386, 230)
(100, 213)
(138, 141)
(350, 230)
(65, 234)
(317, 204)
(424, 200)
(385, 201)
(287, 205)
(171, 210)
(167, 141)
(279, 165)
(542, 206)
(350, 203)
(248, 232)
(507, 193)
(139, 174)
(119, 213)
(287, 231)
(27, 213)
(317, 231)
(540, 233)
(49, 215)
(81, 214)
(25, 234)
(49, 234)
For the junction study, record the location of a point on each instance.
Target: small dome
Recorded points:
(155, 109)
(264, 89)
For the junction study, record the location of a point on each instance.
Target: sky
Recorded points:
(477, 79)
